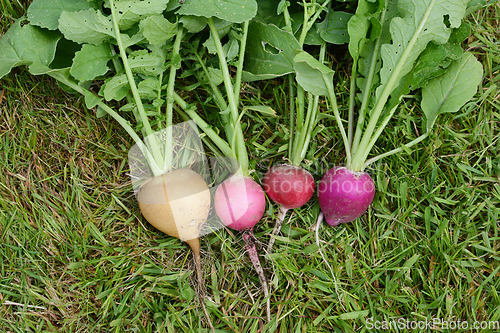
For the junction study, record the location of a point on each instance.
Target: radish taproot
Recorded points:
(178, 203)
(240, 203)
(290, 187)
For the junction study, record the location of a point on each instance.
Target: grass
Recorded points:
(76, 256)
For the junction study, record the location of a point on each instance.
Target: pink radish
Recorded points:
(240, 203)
(290, 187)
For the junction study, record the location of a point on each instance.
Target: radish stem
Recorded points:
(240, 149)
(241, 59)
(170, 101)
(359, 158)
(205, 127)
(292, 114)
(133, 87)
(368, 84)
(395, 151)
(249, 239)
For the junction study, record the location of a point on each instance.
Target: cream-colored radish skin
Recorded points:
(176, 203)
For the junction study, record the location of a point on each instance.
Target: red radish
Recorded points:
(289, 186)
(240, 203)
(344, 195)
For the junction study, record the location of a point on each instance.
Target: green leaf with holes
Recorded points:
(25, 45)
(90, 62)
(116, 88)
(272, 53)
(229, 10)
(46, 13)
(334, 29)
(86, 26)
(147, 63)
(129, 12)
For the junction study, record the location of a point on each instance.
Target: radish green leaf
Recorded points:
(334, 30)
(272, 53)
(132, 11)
(429, 20)
(90, 62)
(46, 13)
(310, 74)
(147, 63)
(26, 45)
(157, 29)
(233, 11)
(91, 100)
(193, 24)
(116, 88)
(449, 92)
(436, 58)
(86, 26)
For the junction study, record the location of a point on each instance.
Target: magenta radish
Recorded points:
(344, 195)
(290, 187)
(240, 203)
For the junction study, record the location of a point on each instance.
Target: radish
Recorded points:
(290, 187)
(240, 203)
(178, 204)
(167, 202)
(239, 200)
(344, 195)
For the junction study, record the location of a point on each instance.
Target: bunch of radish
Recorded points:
(391, 44)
